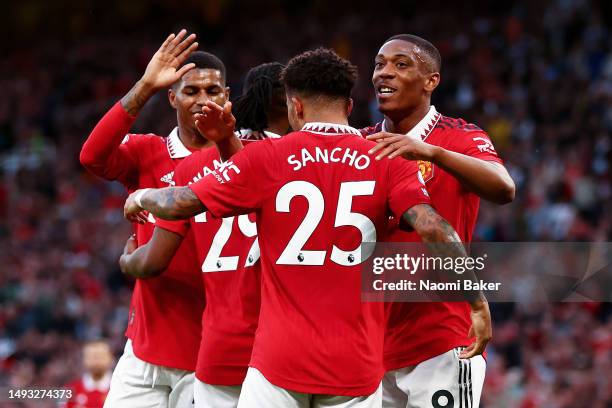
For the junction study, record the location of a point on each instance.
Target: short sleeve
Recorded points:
(234, 187)
(478, 145)
(180, 227)
(406, 187)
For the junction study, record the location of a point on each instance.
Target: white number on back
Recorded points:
(214, 262)
(344, 216)
(293, 254)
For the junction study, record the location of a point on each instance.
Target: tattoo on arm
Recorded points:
(135, 99)
(430, 225)
(172, 203)
(441, 239)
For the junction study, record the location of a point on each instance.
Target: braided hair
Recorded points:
(263, 98)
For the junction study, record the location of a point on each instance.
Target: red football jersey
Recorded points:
(419, 331)
(228, 255)
(172, 302)
(88, 393)
(318, 195)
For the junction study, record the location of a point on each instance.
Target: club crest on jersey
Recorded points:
(426, 169)
(168, 178)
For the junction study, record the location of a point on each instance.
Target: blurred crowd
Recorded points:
(537, 77)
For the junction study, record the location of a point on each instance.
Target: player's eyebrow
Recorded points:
(398, 55)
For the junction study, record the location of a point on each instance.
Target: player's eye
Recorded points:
(378, 65)
(401, 64)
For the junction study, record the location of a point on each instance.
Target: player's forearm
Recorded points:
(136, 265)
(444, 242)
(488, 180)
(172, 203)
(228, 147)
(137, 97)
(104, 140)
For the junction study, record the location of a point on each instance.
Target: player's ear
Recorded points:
(172, 97)
(349, 107)
(432, 81)
(298, 106)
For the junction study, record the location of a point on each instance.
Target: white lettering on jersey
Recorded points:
(218, 166)
(335, 155)
(486, 145)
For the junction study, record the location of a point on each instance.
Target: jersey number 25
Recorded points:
(293, 254)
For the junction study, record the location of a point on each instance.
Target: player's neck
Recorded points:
(407, 122)
(279, 126)
(193, 141)
(327, 117)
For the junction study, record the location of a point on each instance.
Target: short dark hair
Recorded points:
(430, 50)
(206, 60)
(320, 72)
(262, 97)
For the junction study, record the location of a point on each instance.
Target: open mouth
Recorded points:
(384, 90)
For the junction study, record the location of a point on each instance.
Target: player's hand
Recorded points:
(481, 329)
(130, 245)
(163, 70)
(392, 145)
(132, 211)
(216, 123)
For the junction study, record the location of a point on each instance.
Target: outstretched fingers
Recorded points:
(183, 45)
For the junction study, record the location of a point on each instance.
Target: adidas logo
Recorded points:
(168, 179)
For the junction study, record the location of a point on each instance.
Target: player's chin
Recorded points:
(386, 105)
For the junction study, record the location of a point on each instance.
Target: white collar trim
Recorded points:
(176, 148)
(322, 128)
(424, 127)
(272, 135)
(101, 385)
(249, 134)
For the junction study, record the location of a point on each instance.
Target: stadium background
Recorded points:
(536, 76)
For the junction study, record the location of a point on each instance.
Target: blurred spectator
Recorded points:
(90, 390)
(536, 75)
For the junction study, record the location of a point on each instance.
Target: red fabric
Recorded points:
(83, 397)
(233, 295)
(315, 335)
(419, 331)
(171, 303)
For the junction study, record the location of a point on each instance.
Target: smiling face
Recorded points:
(191, 93)
(404, 78)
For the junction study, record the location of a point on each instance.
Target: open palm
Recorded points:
(163, 69)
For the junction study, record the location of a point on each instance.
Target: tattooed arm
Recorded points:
(103, 153)
(443, 241)
(170, 203)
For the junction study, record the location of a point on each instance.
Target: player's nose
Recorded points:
(386, 71)
(202, 99)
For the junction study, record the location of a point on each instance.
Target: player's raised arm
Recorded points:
(101, 153)
(443, 241)
(151, 259)
(490, 180)
(162, 71)
(170, 203)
